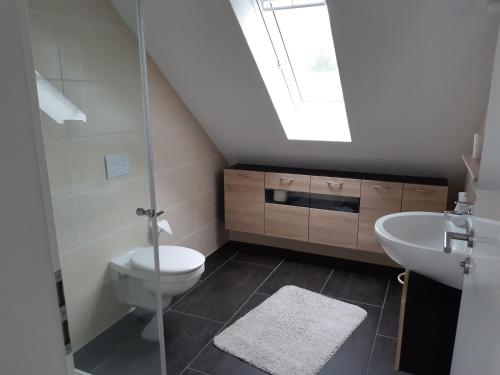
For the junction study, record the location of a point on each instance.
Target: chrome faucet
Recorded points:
(468, 236)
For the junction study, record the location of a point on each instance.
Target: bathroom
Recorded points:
(184, 174)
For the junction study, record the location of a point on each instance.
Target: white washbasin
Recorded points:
(415, 241)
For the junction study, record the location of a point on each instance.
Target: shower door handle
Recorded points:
(149, 213)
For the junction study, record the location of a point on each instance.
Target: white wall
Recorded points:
(31, 337)
(416, 76)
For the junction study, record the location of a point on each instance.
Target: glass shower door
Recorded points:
(91, 71)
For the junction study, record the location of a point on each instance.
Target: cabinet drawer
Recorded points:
(333, 228)
(367, 239)
(381, 195)
(244, 201)
(335, 186)
(424, 198)
(287, 221)
(291, 182)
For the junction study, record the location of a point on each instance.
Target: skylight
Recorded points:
(292, 44)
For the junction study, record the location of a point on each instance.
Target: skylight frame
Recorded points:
(310, 121)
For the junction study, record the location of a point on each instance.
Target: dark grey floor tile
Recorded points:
(356, 286)
(92, 355)
(263, 255)
(217, 259)
(390, 313)
(291, 272)
(384, 354)
(354, 355)
(127, 329)
(217, 362)
(221, 295)
(191, 371)
(185, 337)
(253, 302)
(136, 357)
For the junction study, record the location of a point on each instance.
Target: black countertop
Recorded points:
(344, 174)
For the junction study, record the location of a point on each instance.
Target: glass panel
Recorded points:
(308, 41)
(90, 92)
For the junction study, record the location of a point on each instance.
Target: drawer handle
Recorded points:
(426, 191)
(287, 179)
(243, 175)
(335, 183)
(381, 187)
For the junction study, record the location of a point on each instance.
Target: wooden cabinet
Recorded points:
(244, 201)
(344, 187)
(290, 182)
(287, 221)
(367, 240)
(424, 198)
(334, 228)
(381, 194)
(333, 211)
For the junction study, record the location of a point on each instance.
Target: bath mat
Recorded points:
(295, 331)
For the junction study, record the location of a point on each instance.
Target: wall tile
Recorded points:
(66, 222)
(73, 273)
(87, 158)
(207, 207)
(59, 168)
(107, 209)
(191, 241)
(45, 45)
(79, 323)
(110, 107)
(183, 218)
(177, 184)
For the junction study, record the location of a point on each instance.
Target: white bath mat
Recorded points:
(295, 331)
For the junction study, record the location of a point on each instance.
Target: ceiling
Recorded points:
(415, 75)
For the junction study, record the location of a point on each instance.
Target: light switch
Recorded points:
(117, 165)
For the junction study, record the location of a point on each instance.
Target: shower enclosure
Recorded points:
(91, 75)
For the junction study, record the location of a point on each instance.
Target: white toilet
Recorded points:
(180, 270)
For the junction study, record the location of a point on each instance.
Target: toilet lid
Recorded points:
(173, 259)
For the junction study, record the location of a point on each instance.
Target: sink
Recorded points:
(415, 241)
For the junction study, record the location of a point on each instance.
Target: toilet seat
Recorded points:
(174, 260)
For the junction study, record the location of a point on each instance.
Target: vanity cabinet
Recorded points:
(286, 221)
(378, 198)
(244, 201)
(323, 207)
(424, 198)
(333, 228)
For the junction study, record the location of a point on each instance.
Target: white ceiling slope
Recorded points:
(415, 73)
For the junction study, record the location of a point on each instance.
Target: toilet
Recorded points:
(180, 270)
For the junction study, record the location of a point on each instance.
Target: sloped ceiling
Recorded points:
(415, 73)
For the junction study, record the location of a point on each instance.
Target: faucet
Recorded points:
(468, 236)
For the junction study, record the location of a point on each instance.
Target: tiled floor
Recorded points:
(238, 277)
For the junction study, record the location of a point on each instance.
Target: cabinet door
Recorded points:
(367, 239)
(424, 198)
(244, 201)
(334, 228)
(290, 182)
(345, 187)
(382, 195)
(287, 221)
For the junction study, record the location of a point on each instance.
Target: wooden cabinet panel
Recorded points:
(335, 186)
(367, 239)
(244, 201)
(424, 198)
(333, 228)
(381, 195)
(287, 221)
(290, 182)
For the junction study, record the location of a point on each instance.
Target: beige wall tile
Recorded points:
(107, 209)
(59, 168)
(211, 237)
(66, 222)
(45, 45)
(80, 329)
(183, 219)
(176, 184)
(191, 241)
(207, 207)
(110, 107)
(104, 308)
(97, 255)
(87, 158)
(73, 273)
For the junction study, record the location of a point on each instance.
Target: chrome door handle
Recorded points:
(149, 213)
